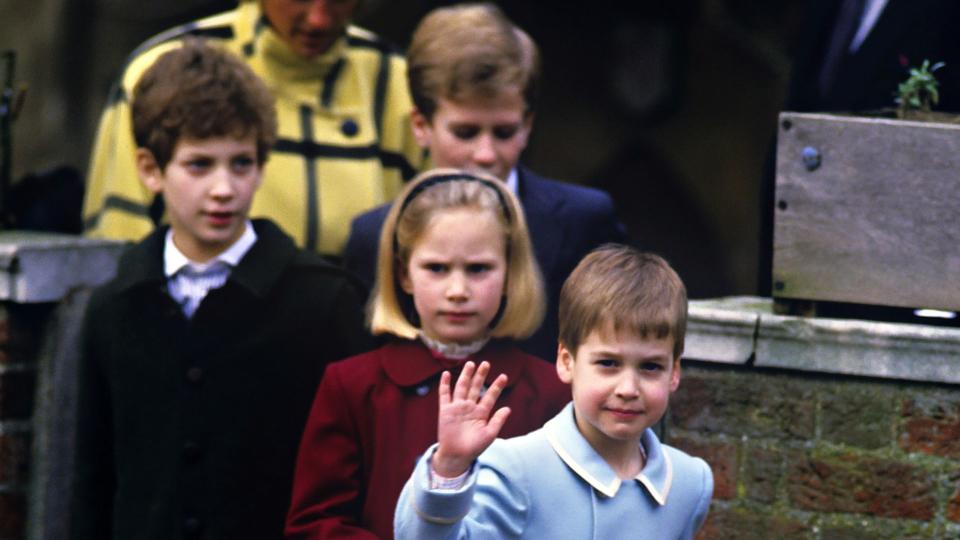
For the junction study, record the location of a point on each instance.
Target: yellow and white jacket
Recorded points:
(344, 140)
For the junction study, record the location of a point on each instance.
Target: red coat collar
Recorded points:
(409, 362)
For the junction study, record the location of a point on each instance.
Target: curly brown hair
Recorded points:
(199, 91)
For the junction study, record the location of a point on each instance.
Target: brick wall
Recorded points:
(811, 456)
(20, 330)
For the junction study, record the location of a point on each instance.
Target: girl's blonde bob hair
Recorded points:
(390, 309)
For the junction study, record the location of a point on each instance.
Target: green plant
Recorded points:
(920, 92)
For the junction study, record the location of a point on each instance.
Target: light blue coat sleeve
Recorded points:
(703, 503)
(492, 504)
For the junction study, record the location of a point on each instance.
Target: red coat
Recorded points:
(375, 414)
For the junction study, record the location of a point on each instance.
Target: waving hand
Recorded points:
(465, 427)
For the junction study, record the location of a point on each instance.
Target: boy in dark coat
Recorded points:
(201, 358)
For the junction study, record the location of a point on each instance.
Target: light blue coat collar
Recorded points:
(576, 452)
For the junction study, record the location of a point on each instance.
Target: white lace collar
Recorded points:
(453, 351)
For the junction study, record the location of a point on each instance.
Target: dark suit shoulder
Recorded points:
(589, 198)
(587, 209)
(360, 254)
(574, 195)
(370, 221)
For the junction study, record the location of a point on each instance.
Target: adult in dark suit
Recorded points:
(851, 57)
(473, 76)
(873, 44)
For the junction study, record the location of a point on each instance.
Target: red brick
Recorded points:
(25, 324)
(14, 457)
(13, 510)
(762, 470)
(4, 338)
(931, 425)
(722, 458)
(953, 506)
(860, 415)
(879, 529)
(738, 404)
(16, 394)
(857, 484)
(751, 524)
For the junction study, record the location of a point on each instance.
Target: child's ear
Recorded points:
(403, 276)
(675, 375)
(564, 364)
(422, 130)
(149, 170)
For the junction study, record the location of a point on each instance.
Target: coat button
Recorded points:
(195, 375)
(192, 526)
(349, 127)
(423, 390)
(191, 452)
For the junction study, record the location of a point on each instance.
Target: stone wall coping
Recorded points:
(744, 330)
(43, 267)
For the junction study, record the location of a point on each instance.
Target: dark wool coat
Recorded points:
(375, 414)
(189, 429)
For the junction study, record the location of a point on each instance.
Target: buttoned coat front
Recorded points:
(553, 484)
(189, 428)
(375, 414)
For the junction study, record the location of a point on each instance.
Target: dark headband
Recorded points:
(444, 178)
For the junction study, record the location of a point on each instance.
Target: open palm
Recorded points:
(465, 427)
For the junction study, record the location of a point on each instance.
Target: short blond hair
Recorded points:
(390, 309)
(620, 288)
(468, 52)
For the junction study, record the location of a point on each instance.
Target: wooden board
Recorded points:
(878, 222)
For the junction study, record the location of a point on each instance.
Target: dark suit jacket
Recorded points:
(907, 32)
(190, 428)
(566, 221)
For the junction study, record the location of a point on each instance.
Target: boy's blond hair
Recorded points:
(199, 92)
(391, 310)
(470, 52)
(617, 287)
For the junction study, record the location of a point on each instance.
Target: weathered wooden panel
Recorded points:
(877, 221)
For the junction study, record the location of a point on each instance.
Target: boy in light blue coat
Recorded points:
(596, 470)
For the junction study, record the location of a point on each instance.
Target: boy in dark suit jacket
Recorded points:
(474, 78)
(201, 358)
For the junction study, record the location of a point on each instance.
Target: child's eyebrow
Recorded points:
(606, 353)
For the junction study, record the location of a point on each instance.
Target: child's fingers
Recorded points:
(497, 421)
(463, 381)
(493, 393)
(444, 389)
(476, 385)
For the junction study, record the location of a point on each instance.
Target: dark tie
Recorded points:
(848, 20)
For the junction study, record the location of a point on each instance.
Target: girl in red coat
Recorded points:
(456, 281)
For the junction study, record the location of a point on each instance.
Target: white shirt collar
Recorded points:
(513, 181)
(174, 259)
(871, 12)
(572, 447)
